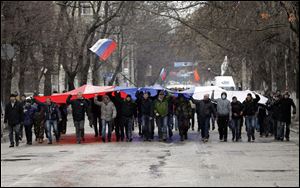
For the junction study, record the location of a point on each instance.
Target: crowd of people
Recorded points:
(110, 113)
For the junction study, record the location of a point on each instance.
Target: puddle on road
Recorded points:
(12, 160)
(271, 170)
(25, 156)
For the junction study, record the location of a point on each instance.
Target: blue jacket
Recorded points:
(29, 114)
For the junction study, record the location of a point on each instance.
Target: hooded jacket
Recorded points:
(223, 105)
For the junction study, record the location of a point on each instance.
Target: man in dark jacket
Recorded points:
(62, 125)
(261, 116)
(128, 112)
(183, 112)
(204, 109)
(276, 114)
(22, 101)
(96, 113)
(236, 107)
(119, 126)
(80, 106)
(14, 116)
(52, 117)
(147, 116)
(249, 110)
(286, 104)
(139, 98)
(29, 111)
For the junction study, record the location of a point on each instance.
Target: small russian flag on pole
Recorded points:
(163, 74)
(103, 48)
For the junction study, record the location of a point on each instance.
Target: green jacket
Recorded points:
(161, 107)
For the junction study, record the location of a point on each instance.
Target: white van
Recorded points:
(225, 82)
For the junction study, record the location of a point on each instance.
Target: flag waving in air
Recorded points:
(196, 75)
(103, 48)
(163, 74)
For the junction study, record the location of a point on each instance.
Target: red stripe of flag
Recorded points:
(108, 51)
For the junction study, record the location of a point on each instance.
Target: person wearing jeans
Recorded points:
(162, 126)
(250, 125)
(236, 107)
(52, 123)
(109, 130)
(249, 110)
(52, 116)
(128, 122)
(161, 106)
(108, 114)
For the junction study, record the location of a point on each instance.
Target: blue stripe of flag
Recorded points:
(103, 47)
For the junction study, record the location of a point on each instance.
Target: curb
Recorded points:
(5, 138)
(295, 130)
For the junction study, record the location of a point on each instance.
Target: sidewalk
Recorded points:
(295, 126)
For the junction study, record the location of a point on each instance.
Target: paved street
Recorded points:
(189, 163)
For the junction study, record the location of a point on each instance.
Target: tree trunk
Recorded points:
(48, 84)
(71, 79)
(6, 78)
(48, 63)
(22, 68)
(286, 53)
(36, 80)
(21, 83)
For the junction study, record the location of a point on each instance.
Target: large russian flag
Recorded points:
(103, 48)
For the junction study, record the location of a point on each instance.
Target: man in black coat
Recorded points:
(285, 109)
(236, 108)
(14, 116)
(275, 108)
(62, 125)
(96, 113)
(147, 116)
(205, 109)
(80, 106)
(128, 112)
(249, 110)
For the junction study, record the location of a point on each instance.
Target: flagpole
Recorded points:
(128, 79)
(157, 76)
